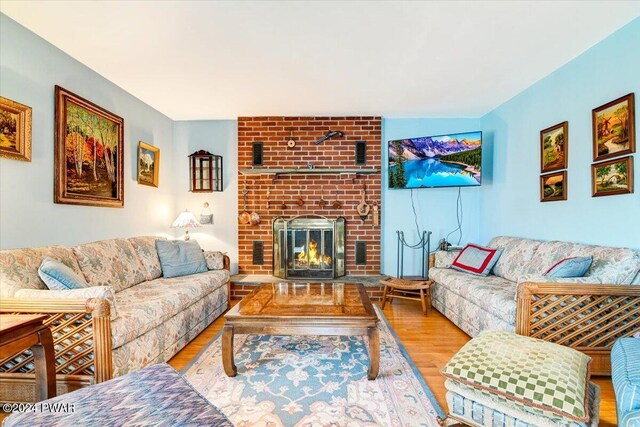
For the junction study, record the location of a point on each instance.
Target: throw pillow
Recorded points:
(215, 260)
(527, 371)
(476, 260)
(58, 277)
(105, 292)
(180, 258)
(570, 267)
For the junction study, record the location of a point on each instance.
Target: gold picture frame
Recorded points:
(554, 148)
(553, 187)
(15, 130)
(88, 154)
(148, 164)
(612, 177)
(613, 128)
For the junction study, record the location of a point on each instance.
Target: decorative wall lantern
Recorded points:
(205, 171)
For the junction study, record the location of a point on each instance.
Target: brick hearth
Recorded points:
(335, 153)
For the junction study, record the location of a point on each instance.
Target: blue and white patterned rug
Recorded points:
(315, 381)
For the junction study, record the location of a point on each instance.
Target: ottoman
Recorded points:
(625, 374)
(154, 396)
(503, 379)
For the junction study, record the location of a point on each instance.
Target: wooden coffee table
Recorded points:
(303, 309)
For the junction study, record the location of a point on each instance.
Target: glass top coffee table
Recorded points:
(303, 309)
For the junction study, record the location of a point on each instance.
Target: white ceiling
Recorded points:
(214, 60)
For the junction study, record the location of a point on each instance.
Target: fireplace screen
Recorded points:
(308, 247)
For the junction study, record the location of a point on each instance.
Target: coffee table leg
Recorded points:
(374, 352)
(45, 366)
(227, 351)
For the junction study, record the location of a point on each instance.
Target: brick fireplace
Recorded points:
(265, 164)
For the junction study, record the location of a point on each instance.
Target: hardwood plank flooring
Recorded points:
(430, 341)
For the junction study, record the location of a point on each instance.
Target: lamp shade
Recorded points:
(186, 219)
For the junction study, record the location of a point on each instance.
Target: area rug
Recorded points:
(315, 381)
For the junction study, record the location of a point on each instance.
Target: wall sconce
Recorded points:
(205, 172)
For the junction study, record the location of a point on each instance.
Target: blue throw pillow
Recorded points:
(180, 258)
(570, 267)
(58, 277)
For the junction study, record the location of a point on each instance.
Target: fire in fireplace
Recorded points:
(308, 247)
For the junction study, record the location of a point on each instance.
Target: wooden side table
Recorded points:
(18, 332)
(415, 290)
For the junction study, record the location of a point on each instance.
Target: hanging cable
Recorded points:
(459, 213)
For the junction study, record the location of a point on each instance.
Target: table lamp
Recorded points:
(185, 220)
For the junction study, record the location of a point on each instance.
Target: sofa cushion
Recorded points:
(527, 371)
(610, 265)
(58, 277)
(180, 258)
(145, 247)
(476, 260)
(570, 267)
(146, 305)
(110, 263)
(19, 267)
(491, 293)
(625, 374)
(516, 256)
(215, 260)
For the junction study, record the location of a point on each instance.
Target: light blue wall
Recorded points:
(510, 200)
(30, 67)
(218, 137)
(436, 207)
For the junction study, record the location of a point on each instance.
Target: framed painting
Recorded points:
(554, 147)
(614, 129)
(15, 130)
(88, 155)
(612, 177)
(553, 187)
(148, 164)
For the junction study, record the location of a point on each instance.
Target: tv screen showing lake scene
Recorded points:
(436, 161)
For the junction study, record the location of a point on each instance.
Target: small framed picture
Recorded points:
(554, 147)
(553, 187)
(614, 129)
(148, 164)
(15, 130)
(612, 177)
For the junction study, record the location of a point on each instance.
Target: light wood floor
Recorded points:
(430, 341)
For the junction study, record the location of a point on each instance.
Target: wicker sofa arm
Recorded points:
(227, 262)
(587, 317)
(81, 332)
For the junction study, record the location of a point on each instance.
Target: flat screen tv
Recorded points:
(452, 160)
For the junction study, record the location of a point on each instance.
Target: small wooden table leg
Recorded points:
(45, 367)
(374, 352)
(424, 303)
(227, 351)
(384, 296)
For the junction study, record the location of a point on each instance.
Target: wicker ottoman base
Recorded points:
(475, 408)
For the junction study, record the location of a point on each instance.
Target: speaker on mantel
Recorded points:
(257, 154)
(361, 153)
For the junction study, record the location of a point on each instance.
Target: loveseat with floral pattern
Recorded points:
(143, 318)
(587, 313)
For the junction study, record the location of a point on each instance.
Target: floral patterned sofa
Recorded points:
(155, 317)
(586, 313)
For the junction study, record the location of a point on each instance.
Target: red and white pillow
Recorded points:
(476, 260)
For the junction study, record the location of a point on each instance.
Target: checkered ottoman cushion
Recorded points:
(528, 371)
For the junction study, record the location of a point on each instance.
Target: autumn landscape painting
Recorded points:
(88, 154)
(613, 128)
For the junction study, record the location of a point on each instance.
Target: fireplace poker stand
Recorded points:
(424, 245)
